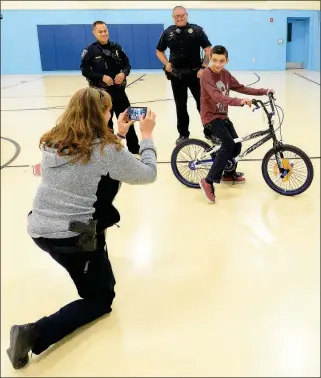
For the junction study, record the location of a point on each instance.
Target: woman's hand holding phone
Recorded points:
(124, 123)
(147, 124)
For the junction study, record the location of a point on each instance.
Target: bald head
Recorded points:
(179, 7)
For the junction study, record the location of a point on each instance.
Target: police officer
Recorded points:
(106, 66)
(185, 65)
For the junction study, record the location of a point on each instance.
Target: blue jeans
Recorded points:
(93, 277)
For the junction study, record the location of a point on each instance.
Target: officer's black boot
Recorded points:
(22, 339)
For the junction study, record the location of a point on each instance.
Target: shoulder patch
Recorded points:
(202, 31)
(198, 28)
(117, 46)
(84, 52)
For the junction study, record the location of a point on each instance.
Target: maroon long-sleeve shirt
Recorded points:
(215, 89)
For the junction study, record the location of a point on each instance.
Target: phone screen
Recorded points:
(134, 113)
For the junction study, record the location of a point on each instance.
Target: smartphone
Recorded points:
(134, 113)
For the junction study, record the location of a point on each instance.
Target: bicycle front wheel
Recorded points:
(296, 173)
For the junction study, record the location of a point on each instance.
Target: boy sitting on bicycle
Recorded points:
(216, 83)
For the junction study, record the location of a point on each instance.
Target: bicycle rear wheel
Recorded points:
(189, 164)
(296, 174)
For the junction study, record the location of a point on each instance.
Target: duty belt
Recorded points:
(179, 72)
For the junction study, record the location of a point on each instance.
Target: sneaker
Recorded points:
(22, 339)
(237, 177)
(181, 139)
(208, 190)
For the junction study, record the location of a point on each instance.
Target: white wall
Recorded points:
(51, 5)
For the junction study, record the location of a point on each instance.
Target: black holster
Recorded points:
(87, 234)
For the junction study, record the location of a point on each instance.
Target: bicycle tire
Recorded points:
(174, 155)
(303, 156)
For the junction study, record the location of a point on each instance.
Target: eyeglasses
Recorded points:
(179, 16)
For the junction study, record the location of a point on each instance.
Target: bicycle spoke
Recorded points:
(297, 175)
(192, 154)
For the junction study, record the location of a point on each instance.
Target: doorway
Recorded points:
(297, 42)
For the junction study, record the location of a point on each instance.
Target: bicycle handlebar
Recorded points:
(271, 98)
(259, 102)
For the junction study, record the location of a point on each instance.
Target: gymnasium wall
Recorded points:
(252, 40)
(156, 4)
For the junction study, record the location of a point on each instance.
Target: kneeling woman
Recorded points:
(82, 168)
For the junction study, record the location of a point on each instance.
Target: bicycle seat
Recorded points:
(213, 139)
(208, 135)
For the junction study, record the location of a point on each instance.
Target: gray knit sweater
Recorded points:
(68, 192)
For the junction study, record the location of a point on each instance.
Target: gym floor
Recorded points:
(231, 289)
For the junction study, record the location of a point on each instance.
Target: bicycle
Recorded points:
(283, 168)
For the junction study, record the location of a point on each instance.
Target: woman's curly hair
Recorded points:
(81, 123)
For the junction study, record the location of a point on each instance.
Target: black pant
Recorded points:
(180, 87)
(120, 104)
(92, 274)
(224, 130)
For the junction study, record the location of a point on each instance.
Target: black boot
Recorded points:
(22, 339)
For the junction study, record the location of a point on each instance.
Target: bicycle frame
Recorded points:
(270, 134)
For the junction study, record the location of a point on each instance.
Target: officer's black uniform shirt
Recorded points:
(98, 60)
(184, 44)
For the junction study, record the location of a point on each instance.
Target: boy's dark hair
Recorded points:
(220, 50)
(98, 23)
